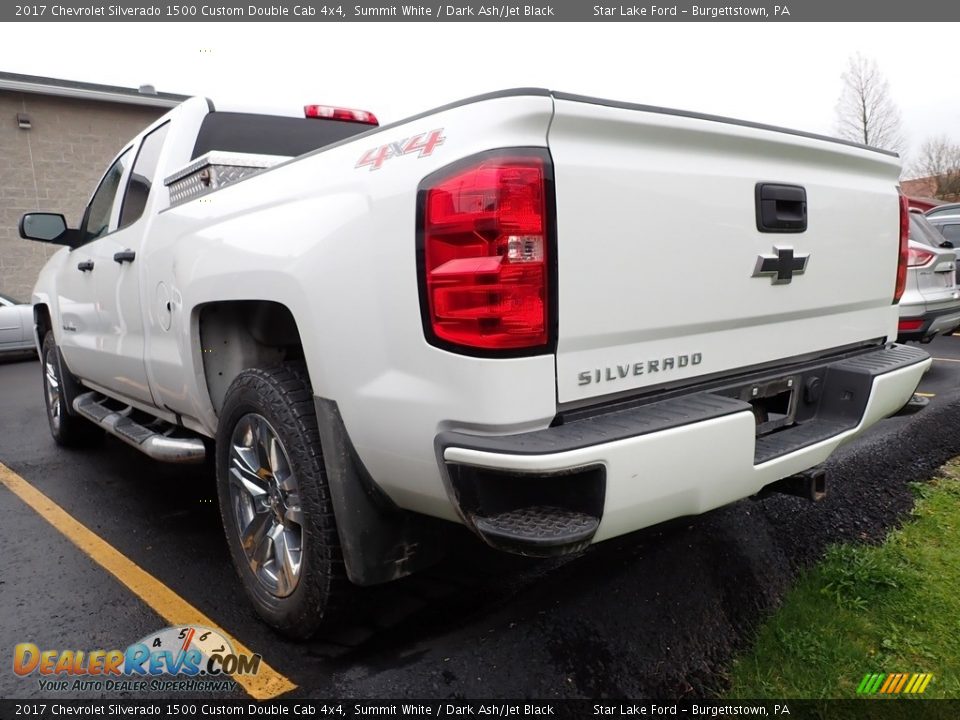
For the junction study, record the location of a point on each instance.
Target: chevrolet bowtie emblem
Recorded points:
(782, 266)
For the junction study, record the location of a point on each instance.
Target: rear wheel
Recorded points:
(275, 502)
(67, 429)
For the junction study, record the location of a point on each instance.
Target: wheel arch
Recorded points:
(380, 541)
(235, 335)
(42, 323)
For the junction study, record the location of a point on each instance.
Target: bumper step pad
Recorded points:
(537, 531)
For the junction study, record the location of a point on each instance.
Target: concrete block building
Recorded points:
(56, 139)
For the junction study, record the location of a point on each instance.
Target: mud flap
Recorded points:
(380, 541)
(70, 388)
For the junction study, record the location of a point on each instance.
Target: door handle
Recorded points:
(85, 266)
(781, 208)
(124, 256)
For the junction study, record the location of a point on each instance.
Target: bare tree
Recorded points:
(865, 111)
(939, 158)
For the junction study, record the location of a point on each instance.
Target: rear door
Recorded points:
(664, 272)
(118, 258)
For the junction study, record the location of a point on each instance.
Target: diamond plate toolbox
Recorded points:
(216, 170)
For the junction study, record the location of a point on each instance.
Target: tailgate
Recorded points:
(663, 274)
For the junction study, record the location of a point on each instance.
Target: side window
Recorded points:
(922, 231)
(144, 168)
(97, 217)
(951, 232)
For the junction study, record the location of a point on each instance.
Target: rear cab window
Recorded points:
(270, 134)
(141, 177)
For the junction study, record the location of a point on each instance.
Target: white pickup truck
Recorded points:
(549, 318)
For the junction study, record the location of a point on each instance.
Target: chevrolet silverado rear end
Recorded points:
(721, 301)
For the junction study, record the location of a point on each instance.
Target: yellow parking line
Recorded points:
(926, 395)
(947, 359)
(266, 684)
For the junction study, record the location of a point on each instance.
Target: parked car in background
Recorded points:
(16, 326)
(930, 305)
(943, 210)
(948, 224)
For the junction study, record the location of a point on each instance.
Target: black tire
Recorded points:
(67, 429)
(282, 397)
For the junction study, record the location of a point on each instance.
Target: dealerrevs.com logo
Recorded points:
(185, 658)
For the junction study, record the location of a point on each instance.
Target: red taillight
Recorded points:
(917, 257)
(904, 258)
(912, 324)
(486, 252)
(328, 112)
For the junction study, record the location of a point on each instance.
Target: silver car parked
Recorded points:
(930, 305)
(16, 326)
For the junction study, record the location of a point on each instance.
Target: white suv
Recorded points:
(930, 305)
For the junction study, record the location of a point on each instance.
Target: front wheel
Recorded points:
(66, 428)
(275, 502)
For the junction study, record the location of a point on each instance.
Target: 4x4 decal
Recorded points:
(422, 144)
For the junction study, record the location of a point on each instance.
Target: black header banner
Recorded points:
(867, 709)
(476, 11)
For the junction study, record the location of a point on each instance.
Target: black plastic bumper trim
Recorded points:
(847, 385)
(601, 429)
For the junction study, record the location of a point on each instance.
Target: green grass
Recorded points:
(892, 608)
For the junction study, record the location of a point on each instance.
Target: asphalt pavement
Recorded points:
(654, 614)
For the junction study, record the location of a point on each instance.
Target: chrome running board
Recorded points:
(154, 439)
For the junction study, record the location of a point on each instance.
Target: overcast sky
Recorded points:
(784, 74)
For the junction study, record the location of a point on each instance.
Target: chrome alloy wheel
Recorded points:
(265, 500)
(51, 384)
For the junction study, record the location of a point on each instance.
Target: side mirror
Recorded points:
(47, 227)
(946, 244)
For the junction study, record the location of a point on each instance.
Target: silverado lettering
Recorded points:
(619, 372)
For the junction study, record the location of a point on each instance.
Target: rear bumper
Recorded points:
(932, 322)
(632, 467)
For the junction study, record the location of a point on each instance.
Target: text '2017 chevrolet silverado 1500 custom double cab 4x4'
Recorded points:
(549, 318)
